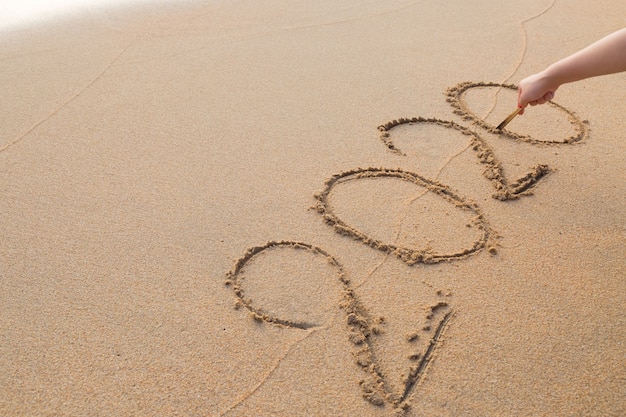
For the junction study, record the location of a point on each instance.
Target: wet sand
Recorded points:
(233, 208)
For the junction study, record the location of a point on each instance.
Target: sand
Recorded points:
(243, 208)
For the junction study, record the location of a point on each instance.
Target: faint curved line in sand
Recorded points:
(525, 38)
(267, 376)
(522, 54)
(58, 109)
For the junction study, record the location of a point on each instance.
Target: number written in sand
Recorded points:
(456, 98)
(362, 327)
(493, 171)
(411, 256)
(271, 307)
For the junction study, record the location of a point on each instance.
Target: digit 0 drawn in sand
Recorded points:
(409, 255)
(456, 99)
(362, 329)
(493, 168)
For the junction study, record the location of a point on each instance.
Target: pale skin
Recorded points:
(606, 56)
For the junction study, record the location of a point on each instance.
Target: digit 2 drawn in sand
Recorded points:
(362, 327)
(493, 168)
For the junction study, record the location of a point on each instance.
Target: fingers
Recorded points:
(519, 103)
(543, 100)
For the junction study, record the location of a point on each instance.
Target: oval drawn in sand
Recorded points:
(457, 100)
(409, 255)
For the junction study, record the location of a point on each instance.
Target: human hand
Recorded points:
(536, 89)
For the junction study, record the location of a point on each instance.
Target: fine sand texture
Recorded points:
(280, 208)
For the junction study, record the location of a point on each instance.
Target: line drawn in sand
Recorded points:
(362, 327)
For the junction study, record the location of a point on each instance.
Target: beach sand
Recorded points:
(243, 208)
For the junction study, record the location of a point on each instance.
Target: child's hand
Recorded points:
(603, 57)
(536, 89)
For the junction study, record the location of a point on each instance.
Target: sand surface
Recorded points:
(246, 208)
